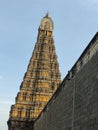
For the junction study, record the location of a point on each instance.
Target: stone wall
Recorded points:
(74, 106)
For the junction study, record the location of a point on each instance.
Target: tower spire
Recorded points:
(40, 81)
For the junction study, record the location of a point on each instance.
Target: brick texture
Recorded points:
(61, 113)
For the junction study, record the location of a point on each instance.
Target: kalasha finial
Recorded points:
(47, 14)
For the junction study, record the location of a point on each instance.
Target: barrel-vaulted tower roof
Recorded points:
(46, 23)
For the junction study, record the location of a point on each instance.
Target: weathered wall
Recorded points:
(82, 109)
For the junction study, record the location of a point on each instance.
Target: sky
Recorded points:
(75, 24)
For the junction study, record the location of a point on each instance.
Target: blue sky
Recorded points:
(75, 24)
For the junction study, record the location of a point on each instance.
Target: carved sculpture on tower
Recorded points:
(40, 81)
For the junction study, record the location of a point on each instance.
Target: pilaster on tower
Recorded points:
(40, 81)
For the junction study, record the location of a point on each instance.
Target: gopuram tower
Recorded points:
(40, 81)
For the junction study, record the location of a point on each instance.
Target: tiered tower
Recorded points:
(40, 81)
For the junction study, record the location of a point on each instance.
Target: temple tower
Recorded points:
(40, 81)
